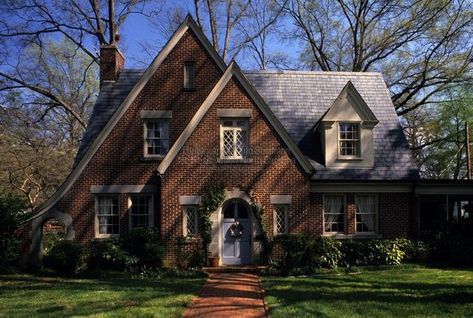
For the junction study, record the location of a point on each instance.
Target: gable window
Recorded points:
(191, 220)
(107, 218)
(280, 219)
(349, 140)
(157, 137)
(141, 211)
(365, 213)
(189, 75)
(234, 138)
(334, 214)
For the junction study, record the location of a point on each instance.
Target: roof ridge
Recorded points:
(282, 72)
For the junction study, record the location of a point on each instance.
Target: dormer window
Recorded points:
(349, 140)
(189, 75)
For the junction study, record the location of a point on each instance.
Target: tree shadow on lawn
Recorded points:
(310, 295)
(46, 296)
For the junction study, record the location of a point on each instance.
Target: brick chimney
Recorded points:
(111, 63)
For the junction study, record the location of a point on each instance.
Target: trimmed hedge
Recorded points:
(64, 257)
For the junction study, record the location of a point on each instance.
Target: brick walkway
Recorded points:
(229, 295)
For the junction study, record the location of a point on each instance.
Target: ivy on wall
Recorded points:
(212, 199)
(258, 212)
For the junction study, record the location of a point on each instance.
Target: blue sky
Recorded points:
(137, 30)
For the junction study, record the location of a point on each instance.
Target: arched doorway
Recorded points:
(236, 233)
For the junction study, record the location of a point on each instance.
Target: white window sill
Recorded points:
(349, 158)
(153, 158)
(234, 161)
(106, 236)
(343, 236)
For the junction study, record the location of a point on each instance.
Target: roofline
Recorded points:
(188, 23)
(289, 72)
(350, 91)
(234, 70)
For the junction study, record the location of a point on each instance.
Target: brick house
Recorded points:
(322, 152)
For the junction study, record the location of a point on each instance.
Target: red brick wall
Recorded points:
(272, 171)
(393, 214)
(119, 159)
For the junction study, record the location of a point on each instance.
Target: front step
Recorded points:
(250, 269)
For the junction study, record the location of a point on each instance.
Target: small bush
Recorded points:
(145, 245)
(64, 257)
(354, 253)
(11, 214)
(109, 255)
(385, 252)
(452, 249)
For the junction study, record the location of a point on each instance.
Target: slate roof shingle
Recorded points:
(299, 100)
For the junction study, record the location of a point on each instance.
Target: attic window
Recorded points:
(189, 75)
(349, 140)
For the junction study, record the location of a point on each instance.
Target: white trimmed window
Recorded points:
(366, 211)
(107, 217)
(141, 211)
(189, 75)
(349, 140)
(234, 138)
(280, 219)
(156, 137)
(334, 213)
(191, 220)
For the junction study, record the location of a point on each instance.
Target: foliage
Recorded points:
(110, 255)
(258, 212)
(12, 212)
(452, 248)
(146, 246)
(213, 197)
(50, 239)
(399, 291)
(189, 253)
(384, 252)
(64, 257)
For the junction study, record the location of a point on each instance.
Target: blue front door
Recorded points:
(236, 231)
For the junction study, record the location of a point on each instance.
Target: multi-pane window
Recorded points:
(108, 220)
(191, 218)
(141, 211)
(234, 138)
(334, 213)
(157, 137)
(280, 219)
(189, 75)
(349, 139)
(365, 213)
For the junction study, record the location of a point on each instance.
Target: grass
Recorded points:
(405, 291)
(31, 296)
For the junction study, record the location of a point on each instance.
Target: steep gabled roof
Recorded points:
(355, 100)
(97, 136)
(234, 71)
(300, 99)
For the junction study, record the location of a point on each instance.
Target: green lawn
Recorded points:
(30, 296)
(406, 291)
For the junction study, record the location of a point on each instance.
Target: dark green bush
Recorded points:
(145, 245)
(354, 253)
(452, 249)
(385, 252)
(64, 257)
(11, 214)
(110, 255)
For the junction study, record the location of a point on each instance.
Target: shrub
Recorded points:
(329, 250)
(385, 252)
(145, 245)
(452, 249)
(109, 255)
(64, 257)
(354, 253)
(11, 214)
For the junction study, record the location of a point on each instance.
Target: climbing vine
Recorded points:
(213, 198)
(258, 212)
